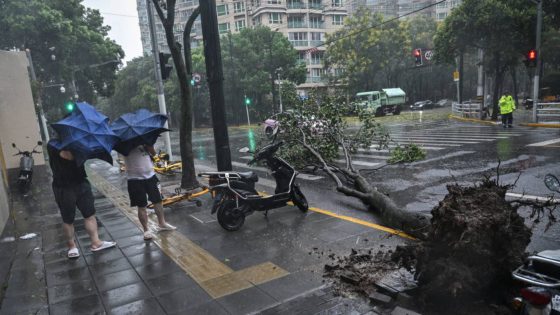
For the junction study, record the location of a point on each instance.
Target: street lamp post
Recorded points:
(539, 60)
(278, 72)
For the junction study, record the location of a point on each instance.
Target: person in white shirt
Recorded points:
(143, 186)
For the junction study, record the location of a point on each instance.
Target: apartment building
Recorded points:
(407, 7)
(444, 9)
(304, 22)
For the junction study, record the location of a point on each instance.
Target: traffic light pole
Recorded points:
(213, 58)
(539, 61)
(247, 109)
(159, 81)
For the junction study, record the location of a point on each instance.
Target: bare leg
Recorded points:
(159, 213)
(68, 230)
(143, 217)
(91, 228)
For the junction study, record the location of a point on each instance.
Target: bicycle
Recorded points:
(163, 166)
(183, 196)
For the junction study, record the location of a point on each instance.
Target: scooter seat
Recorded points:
(550, 254)
(250, 176)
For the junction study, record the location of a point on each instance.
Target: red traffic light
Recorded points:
(417, 53)
(532, 54)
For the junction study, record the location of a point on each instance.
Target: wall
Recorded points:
(18, 121)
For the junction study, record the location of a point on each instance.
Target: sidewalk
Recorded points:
(198, 269)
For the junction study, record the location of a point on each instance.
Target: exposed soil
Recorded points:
(476, 239)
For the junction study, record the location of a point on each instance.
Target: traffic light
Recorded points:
(69, 106)
(192, 82)
(418, 57)
(163, 66)
(531, 58)
(247, 101)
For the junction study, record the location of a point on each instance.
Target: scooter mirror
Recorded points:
(552, 182)
(13, 145)
(244, 150)
(39, 142)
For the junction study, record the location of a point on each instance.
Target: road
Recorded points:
(456, 152)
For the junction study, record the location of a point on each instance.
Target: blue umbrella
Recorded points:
(138, 128)
(85, 133)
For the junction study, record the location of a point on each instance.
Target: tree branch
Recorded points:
(187, 41)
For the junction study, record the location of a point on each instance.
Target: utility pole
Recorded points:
(42, 120)
(480, 85)
(539, 61)
(278, 71)
(159, 81)
(213, 58)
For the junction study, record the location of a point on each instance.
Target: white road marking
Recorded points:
(367, 156)
(416, 139)
(429, 142)
(358, 162)
(543, 143)
(444, 137)
(529, 197)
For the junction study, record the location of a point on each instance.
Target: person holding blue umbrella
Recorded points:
(84, 134)
(138, 132)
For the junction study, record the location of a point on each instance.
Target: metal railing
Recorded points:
(548, 113)
(468, 110)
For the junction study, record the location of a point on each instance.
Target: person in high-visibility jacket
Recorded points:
(507, 106)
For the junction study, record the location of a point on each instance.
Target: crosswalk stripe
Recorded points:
(415, 139)
(263, 169)
(368, 156)
(543, 143)
(358, 162)
(445, 136)
(443, 144)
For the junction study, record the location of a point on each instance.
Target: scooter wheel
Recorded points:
(299, 199)
(228, 219)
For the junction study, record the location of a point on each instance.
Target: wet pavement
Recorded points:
(273, 264)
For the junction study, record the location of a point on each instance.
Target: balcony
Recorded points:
(317, 25)
(297, 24)
(315, 6)
(295, 6)
(314, 80)
(316, 43)
(316, 61)
(299, 43)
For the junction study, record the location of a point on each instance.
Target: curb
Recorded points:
(485, 122)
(541, 125)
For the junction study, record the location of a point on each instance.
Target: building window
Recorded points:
(336, 3)
(239, 25)
(238, 7)
(316, 58)
(315, 4)
(275, 18)
(295, 22)
(274, 1)
(298, 39)
(223, 28)
(315, 22)
(441, 16)
(257, 20)
(222, 9)
(338, 19)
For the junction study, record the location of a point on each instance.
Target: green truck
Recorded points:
(382, 102)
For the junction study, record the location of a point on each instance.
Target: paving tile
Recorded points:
(126, 294)
(250, 300)
(117, 235)
(157, 269)
(110, 266)
(71, 291)
(118, 279)
(170, 282)
(292, 285)
(148, 306)
(148, 258)
(67, 276)
(131, 240)
(180, 300)
(208, 308)
(23, 304)
(65, 264)
(84, 305)
(103, 256)
(139, 248)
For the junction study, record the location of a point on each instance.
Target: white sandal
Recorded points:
(73, 253)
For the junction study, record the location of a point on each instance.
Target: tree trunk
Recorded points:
(497, 83)
(188, 178)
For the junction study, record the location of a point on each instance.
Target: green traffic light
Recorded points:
(247, 101)
(192, 82)
(69, 106)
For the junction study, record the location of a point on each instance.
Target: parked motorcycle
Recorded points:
(235, 196)
(26, 164)
(542, 272)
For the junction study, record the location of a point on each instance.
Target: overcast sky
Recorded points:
(122, 16)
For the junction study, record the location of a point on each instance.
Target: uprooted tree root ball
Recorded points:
(476, 238)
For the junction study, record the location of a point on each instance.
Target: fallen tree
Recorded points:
(468, 247)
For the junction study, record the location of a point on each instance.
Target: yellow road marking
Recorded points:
(216, 278)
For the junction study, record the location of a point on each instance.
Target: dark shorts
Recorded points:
(68, 197)
(139, 189)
